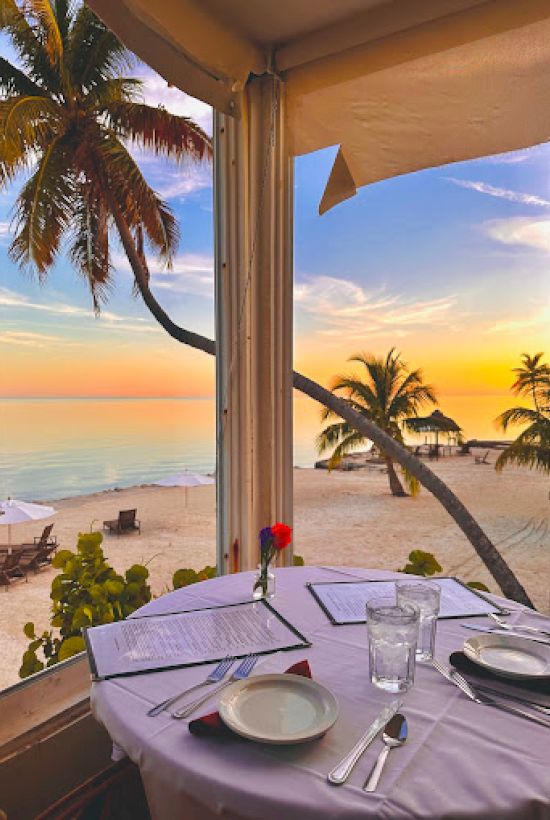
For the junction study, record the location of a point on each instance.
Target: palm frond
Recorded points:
(333, 434)
(411, 482)
(362, 392)
(534, 455)
(108, 91)
(29, 123)
(31, 51)
(348, 443)
(47, 28)
(138, 202)
(95, 53)
(14, 82)
(516, 415)
(89, 249)
(44, 210)
(155, 129)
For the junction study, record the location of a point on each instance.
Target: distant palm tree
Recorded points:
(388, 394)
(67, 117)
(532, 447)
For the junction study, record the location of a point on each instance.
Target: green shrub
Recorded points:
(184, 577)
(421, 563)
(425, 563)
(87, 592)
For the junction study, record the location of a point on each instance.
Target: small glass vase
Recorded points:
(264, 583)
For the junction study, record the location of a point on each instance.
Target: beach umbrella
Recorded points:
(185, 480)
(13, 511)
(436, 423)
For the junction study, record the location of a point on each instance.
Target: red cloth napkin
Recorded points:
(213, 725)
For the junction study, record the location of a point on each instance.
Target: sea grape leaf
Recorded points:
(71, 646)
(478, 585)
(60, 558)
(28, 629)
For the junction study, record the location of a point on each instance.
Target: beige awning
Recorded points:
(398, 86)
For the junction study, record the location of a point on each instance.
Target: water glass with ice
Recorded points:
(393, 633)
(426, 595)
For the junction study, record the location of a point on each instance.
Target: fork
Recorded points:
(471, 692)
(241, 672)
(214, 677)
(517, 627)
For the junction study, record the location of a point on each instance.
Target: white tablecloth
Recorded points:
(462, 760)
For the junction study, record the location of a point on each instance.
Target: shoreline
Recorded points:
(341, 518)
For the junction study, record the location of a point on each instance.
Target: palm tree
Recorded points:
(389, 394)
(67, 118)
(532, 447)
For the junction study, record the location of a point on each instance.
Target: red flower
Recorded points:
(281, 535)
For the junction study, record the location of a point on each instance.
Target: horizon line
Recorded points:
(90, 398)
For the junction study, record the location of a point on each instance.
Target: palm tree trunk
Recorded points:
(395, 485)
(488, 553)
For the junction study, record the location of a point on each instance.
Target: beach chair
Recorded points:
(482, 459)
(9, 568)
(39, 542)
(126, 522)
(46, 539)
(35, 558)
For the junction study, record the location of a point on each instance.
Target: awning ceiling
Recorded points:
(398, 86)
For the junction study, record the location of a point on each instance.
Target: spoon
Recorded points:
(516, 627)
(395, 734)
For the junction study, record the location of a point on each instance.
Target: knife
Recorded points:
(479, 628)
(343, 770)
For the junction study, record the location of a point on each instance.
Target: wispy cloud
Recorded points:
(541, 318)
(12, 299)
(520, 230)
(341, 306)
(518, 157)
(500, 193)
(192, 274)
(28, 339)
(4, 232)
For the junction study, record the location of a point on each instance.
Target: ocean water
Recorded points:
(54, 448)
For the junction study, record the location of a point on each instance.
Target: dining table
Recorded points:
(461, 759)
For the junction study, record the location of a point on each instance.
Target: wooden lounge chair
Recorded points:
(9, 568)
(34, 558)
(125, 522)
(46, 539)
(39, 542)
(482, 459)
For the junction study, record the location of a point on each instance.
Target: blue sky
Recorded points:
(449, 264)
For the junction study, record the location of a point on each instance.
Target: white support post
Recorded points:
(254, 279)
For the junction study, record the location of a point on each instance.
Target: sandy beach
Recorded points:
(346, 518)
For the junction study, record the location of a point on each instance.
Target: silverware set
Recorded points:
(217, 675)
(478, 696)
(342, 771)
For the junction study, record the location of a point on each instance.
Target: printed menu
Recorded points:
(155, 642)
(345, 601)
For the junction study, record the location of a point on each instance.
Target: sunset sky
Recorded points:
(450, 265)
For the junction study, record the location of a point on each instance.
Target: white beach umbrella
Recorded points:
(186, 480)
(13, 511)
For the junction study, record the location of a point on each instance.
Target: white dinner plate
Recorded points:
(509, 656)
(278, 708)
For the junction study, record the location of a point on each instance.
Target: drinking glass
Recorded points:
(426, 595)
(393, 633)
